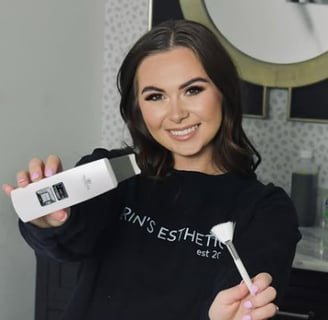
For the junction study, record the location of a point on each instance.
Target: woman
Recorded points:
(146, 246)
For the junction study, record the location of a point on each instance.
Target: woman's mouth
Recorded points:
(184, 132)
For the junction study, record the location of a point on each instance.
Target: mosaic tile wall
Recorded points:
(277, 139)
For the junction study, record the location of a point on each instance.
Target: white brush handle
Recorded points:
(244, 275)
(240, 266)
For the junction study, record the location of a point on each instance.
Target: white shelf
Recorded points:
(312, 250)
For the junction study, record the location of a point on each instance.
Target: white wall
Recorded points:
(51, 59)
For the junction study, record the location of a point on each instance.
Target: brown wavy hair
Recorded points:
(233, 152)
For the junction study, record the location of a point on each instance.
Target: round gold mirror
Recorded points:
(275, 43)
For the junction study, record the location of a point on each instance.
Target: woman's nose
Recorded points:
(178, 111)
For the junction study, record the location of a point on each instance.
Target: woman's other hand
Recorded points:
(38, 170)
(237, 303)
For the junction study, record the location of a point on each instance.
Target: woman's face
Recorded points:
(181, 106)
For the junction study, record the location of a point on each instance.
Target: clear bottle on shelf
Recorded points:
(324, 207)
(304, 188)
(322, 231)
(322, 214)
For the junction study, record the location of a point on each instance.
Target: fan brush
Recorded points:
(224, 233)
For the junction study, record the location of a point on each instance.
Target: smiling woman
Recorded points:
(181, 107)
(142, 243)
(191, 80)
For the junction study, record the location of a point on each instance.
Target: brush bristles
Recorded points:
(223, 231)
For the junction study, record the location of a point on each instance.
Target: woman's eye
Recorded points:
(194, 90)
(154, 97)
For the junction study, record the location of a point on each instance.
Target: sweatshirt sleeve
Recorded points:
(79, 236)
(265, 237)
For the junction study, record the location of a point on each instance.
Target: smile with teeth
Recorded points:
(184, 131)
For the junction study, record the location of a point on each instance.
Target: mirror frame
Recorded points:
(256, 71)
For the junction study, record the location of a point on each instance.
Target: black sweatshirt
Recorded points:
(146, 246)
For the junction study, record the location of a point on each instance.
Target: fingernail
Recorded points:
(246, 317)
(48, 172)
(35, 175)
(248, 305)
(64, 217)
(255, 289)
(241, 282)
(22, 180)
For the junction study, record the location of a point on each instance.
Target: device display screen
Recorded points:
(51, 194)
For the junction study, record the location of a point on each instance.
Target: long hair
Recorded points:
(233, 152)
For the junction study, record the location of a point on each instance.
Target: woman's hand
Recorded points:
(38, 170)
(237, 304)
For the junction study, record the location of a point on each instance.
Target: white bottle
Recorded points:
(304, 188)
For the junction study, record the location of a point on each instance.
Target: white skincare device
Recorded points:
(72, 186)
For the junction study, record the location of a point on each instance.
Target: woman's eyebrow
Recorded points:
(151, 88)
(191, 81)
(182, 86)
